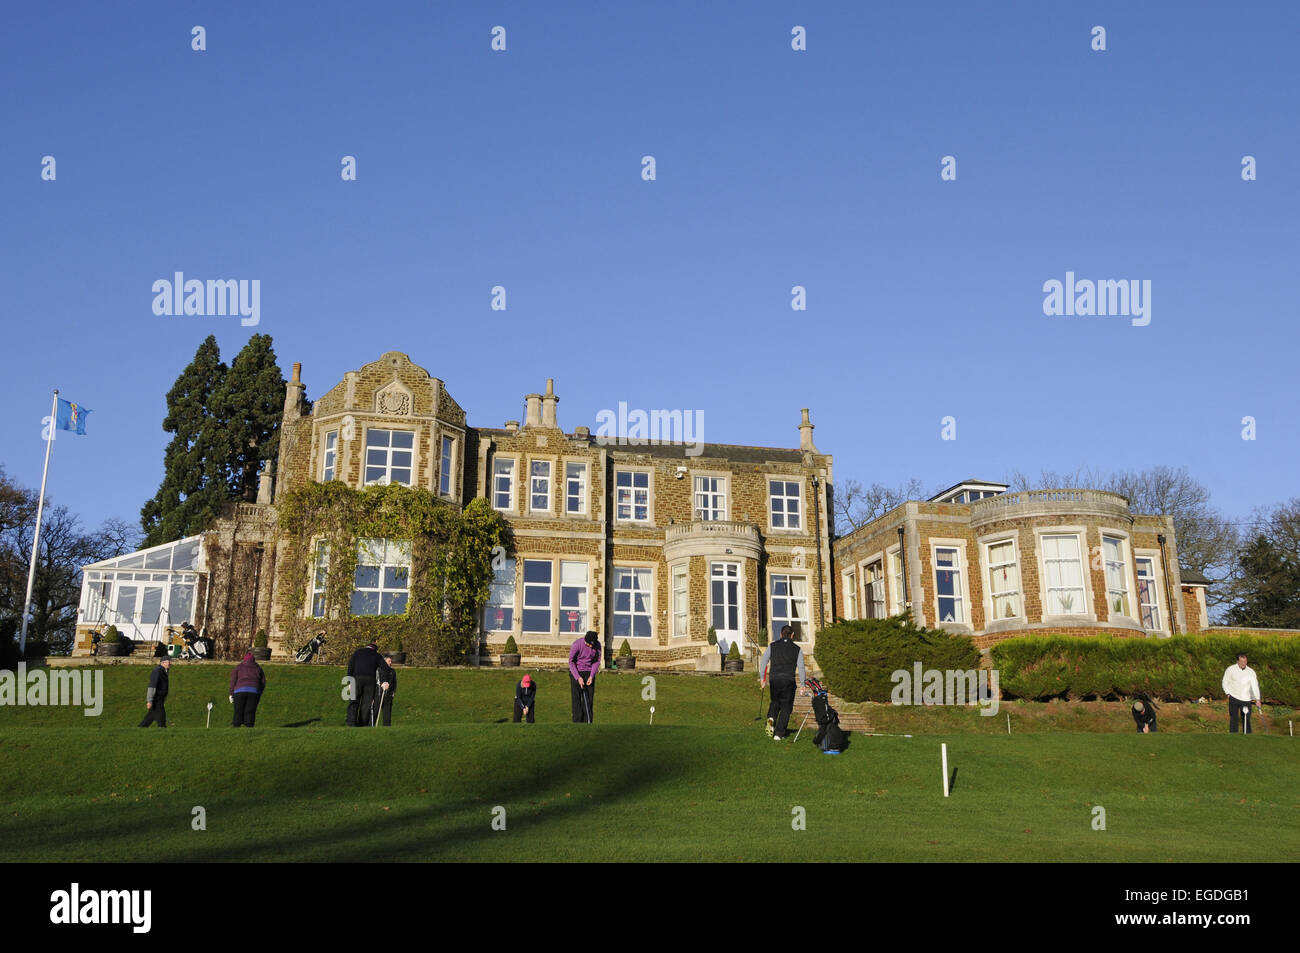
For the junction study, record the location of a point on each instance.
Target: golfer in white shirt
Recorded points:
(1242, 688)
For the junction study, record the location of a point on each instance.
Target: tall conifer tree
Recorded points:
(195, 481)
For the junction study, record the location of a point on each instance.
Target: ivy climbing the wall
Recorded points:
(451, 553)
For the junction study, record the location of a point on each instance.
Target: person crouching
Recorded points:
(526, 699)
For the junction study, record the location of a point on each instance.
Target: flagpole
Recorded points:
(36, 537)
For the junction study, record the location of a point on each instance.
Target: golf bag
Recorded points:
(196, 647)
(830, 737)
(308, 651)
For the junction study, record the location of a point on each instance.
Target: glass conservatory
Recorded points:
(144, 592)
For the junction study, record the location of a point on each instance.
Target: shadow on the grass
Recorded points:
(605, 766)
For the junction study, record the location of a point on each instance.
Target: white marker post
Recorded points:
(652, 714)
(1008, 722)
(943, 748)
(209, 724)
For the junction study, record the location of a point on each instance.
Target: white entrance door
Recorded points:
(724, 604)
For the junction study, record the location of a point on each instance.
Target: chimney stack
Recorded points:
(805, 434)
(293, 394)
(533, 415)
(548, 405)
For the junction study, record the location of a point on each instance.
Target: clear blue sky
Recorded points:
(775, 168)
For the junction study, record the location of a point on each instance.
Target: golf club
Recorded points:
(582, 690)
(760, 702)
(374, 712)
(801, 724)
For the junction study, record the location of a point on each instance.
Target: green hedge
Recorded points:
(859, 656)
(1183, 668)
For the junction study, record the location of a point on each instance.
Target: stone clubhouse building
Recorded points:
(655, 543)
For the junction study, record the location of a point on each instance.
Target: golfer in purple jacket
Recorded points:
(584, 662)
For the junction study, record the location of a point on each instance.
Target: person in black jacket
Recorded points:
(526, 699)
(155, 700)
(1144, 715)
(362, 669)
(387, 678)
(786, 666)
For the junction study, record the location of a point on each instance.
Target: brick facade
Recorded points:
(1079, 521)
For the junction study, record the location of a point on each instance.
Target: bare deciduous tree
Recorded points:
(857, 505)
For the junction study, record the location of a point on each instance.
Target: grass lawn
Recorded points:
(703, 783)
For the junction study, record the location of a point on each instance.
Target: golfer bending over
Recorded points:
(787, 665)
(247, 683)
(1144, 715)
(1242, 688)
(526, 699)
(584, 661)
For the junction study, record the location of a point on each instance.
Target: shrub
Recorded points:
(511, 647)
(112, 635)
(859, 656)
(733, 653)
(259, 640)
(762, 638)
(713, 636)
(625, 650)
(1182, 668)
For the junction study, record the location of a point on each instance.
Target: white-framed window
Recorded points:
(319, 578)
(873, 590)
(499, 610)
(785, 504)
(632, 496)
(382, 584)
(948, 591)
(789, 603)
(575, 489)
(710, 498)
(1148, 592)
(681, 602)
(896, 581)
(573, 598)
(445, 470)
(330, 457)
(633, 589)
(1004, 580)
(850, 594)
(724, 597)
(1063, 575)
(538, 576)
(539, 486)
(1117, 597)
(389, 456)
(503, 484)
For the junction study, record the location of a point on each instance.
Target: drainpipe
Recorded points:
(902, 561)
(1164, 565)
(817, 530)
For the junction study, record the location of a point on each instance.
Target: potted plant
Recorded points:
(510, 657)
(625, 658)
(112, 644)
(399, 651)
(734, 662)
(713, 636)
(261, 651)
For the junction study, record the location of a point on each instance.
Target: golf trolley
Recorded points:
(196, 647)
(308, 651)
